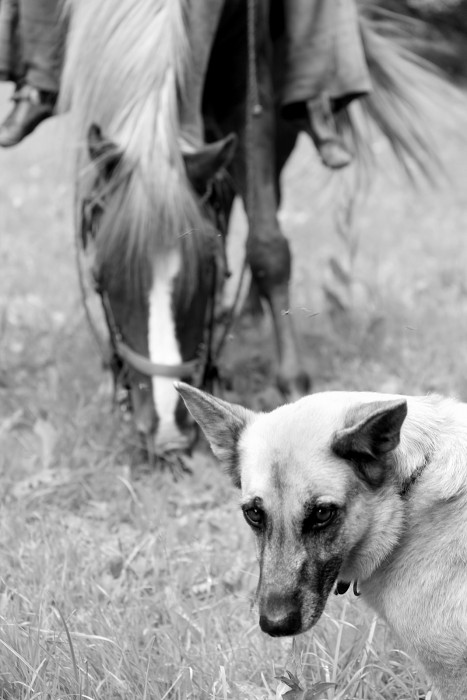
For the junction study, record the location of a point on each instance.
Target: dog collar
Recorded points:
(343, 586)
(407, 485)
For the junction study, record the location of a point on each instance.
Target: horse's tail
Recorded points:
(438, 30)
(412, 104)
(125, 66)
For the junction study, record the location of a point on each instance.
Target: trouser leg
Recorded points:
(10, 64)
(325, 68)
(42, 35)
(351, 77)
(324, 52)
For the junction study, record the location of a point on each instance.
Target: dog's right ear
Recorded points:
(221, 422)
(373, 432)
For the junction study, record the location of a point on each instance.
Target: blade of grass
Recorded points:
(70, 644)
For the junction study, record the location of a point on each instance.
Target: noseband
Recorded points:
(138, 362)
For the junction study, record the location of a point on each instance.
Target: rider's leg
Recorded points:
(10, 68)
(42, 37)
(325, 68)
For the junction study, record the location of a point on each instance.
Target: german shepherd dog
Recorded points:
(349, 486)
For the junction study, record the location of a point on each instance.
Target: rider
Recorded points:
(325, 69)
(31, 45)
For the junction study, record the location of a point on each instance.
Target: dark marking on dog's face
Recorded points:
(300, 558)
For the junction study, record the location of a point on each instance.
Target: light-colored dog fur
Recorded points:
(392, 471)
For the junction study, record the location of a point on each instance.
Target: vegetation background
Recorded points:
(120, 582)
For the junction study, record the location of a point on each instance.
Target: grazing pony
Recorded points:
(158, 91)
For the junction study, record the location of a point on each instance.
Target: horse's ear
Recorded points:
(105, 153)
(203, 163)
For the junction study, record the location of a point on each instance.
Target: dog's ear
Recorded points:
(373, 431)
(221, 422)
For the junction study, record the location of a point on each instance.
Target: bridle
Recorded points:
(135, 360)
(201, 370)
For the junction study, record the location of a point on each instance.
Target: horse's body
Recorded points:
(160, 77)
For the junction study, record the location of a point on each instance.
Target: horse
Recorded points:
(158, 92)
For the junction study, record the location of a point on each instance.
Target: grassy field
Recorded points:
(119, 582)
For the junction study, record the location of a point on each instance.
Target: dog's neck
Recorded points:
(421, 436)
(429, 469)
(431, 458)
(342, 586)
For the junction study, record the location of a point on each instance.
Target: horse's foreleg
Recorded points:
(268, 252)
(269, 257)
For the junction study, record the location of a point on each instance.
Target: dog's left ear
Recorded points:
(221, 422)
(374, 431)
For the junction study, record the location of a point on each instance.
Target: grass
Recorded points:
(138, 595)
(119, 582)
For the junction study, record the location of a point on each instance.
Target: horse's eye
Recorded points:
(254, 517)
(319, 517)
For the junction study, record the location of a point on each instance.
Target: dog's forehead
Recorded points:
(290, 448)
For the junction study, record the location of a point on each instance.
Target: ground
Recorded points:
(117, 581)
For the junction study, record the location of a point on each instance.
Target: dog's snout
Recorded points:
(280, 615)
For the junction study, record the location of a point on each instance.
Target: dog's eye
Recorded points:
(324, 513)
(319, 517)
(254, 517)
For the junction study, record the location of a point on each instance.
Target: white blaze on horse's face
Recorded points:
(164, 349)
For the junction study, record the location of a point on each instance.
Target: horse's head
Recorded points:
(156, 245)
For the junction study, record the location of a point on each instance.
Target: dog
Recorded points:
(352, 486)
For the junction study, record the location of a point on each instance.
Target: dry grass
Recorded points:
(116, 582)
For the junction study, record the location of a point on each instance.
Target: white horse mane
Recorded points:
(126, 62)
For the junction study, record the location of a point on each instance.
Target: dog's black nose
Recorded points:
(280, 615)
